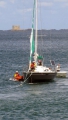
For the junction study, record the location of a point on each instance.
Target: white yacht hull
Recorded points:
(37, 77)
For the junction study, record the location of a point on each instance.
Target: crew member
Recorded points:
(58, 67)
(39, 62)
(17, 76)
(33, 65)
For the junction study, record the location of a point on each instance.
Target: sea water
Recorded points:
(20, 101)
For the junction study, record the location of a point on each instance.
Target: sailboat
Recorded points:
(36, 72)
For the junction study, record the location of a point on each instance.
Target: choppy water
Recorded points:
(37, 101)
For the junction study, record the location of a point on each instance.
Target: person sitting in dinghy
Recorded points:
(18, 77)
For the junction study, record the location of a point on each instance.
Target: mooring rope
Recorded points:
(26, 78)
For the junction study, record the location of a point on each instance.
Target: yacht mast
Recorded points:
(36, 32)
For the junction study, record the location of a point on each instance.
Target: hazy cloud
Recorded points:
(46, 4)
(53, 12)
(12, 1)
(65, 5)
(2, 4)
(22, 11)
(61, 1)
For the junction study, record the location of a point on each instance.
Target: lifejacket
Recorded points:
(18, 77)
(32, 65)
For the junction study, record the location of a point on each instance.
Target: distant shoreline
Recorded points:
(38, 30)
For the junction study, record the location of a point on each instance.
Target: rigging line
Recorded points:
(50, 45)
(23, 14)
(14, 86)
(41, 26)
(25, 79)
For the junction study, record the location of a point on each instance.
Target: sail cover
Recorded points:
(32, 42)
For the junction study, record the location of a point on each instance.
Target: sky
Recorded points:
(52, 14)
